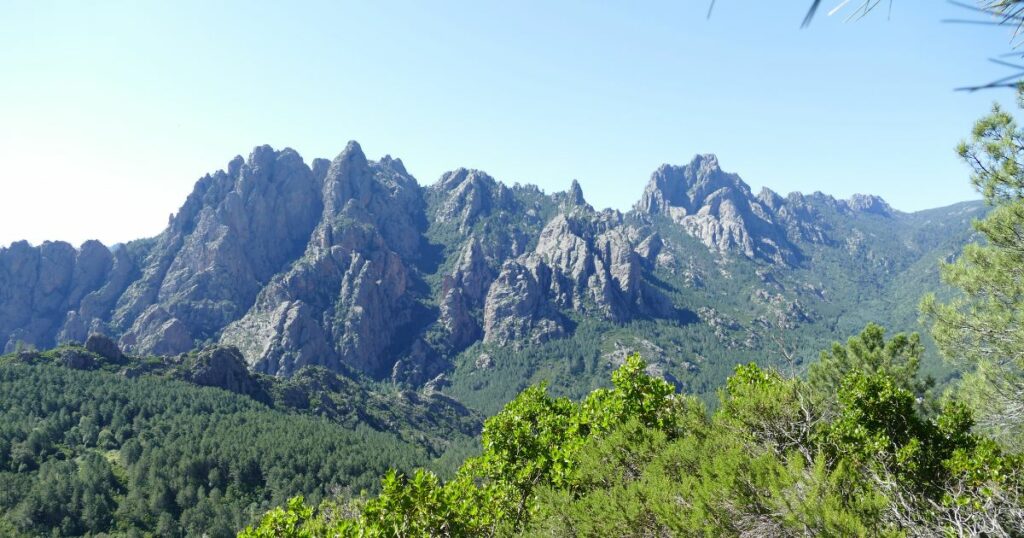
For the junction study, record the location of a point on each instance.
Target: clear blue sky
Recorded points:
(109, 111)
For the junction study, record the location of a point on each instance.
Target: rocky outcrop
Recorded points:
(104, 347)
(517, 309)
(572, 198)
(504, 220)
(867, 203)
(238, 228)
(157, 332)
(284, 339)
(76, 359)
(468, 195)
(595, 266)
(96, 307)
(223, 367)
(344, 300)
(464, 292)
(718, 209)
(40, 287)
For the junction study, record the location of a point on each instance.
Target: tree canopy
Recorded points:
(640, 460)
(982, 329)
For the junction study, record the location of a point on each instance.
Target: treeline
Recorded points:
(93, 453)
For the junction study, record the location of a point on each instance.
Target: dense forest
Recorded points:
(86, 452)
(89, 446)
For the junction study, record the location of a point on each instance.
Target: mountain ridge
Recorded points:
(352, 263)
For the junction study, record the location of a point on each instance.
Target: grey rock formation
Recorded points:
(504, 220)
(77, 359)
(650, 248)
(350, 265)
(284, 338)
(468, 195)
(238, 228)
(104, 347)
(345, 299)
(594, 265)
(868, 203)
(718, 209)
(572, 198)
(516, 308)
(225, 368)
(157, 332)
(41, 286)
(464, 292)
(94, 310)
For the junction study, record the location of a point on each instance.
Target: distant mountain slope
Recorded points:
(351, 264)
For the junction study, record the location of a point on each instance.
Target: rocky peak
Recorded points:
(343, 302)
(867, 203)
(718, 209)
(320, 168)
(771, 199)
(686, 188)
(348, 178)
(394, 163)
(576, 193)
(573, 198)
(377, 194)
(468, 195)
(237, 229)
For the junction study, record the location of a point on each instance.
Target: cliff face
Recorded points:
(345, 298)
(236, 230)
(351, 263)
(718, 209)
(55, 289)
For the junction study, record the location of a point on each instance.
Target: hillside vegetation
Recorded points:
(94, 450)
(854, 451)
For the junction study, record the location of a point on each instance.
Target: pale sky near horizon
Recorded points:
(110, 111)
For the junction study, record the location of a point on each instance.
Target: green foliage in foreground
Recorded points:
(982, 330)
(776, 458)
(93, 453)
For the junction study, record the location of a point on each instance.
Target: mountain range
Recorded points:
(480, 288)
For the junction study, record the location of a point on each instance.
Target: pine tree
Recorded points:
(983, 328)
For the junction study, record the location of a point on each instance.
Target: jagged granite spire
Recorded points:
(576, 194)
(717, 208)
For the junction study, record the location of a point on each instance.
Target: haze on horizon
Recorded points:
(111, 112)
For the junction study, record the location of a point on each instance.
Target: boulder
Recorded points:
(103, 346)
(224, 367)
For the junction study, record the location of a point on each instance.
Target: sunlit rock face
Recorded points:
(718, 209)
